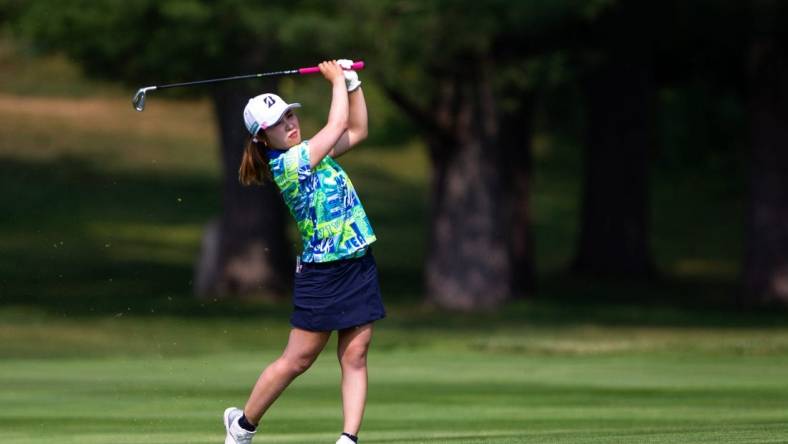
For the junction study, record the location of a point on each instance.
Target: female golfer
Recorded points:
(336, 283)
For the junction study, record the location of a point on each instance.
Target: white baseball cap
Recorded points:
(264, 111)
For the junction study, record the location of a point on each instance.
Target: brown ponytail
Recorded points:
(254, 169)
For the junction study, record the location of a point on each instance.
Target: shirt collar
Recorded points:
(273, 153)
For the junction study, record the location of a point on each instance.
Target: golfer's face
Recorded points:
(286, 133)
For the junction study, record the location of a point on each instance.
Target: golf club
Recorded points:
(139, 98)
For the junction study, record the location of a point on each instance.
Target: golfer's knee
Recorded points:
(354, 358)
(295, 366)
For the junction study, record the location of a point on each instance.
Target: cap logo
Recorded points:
(270, 101)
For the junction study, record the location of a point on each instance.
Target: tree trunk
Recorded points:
(516, 132)
(614, 226)
(246, 253)
(468, 259)
(766, 260)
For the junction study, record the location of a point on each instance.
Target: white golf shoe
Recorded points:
(235, 433)
(345, 440)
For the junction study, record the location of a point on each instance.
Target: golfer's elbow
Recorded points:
(358, 130)
(359, 134)
(338, 124)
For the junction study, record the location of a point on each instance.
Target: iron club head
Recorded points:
(139, 99)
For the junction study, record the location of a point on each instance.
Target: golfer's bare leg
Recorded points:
(352, 350)
(302, 349)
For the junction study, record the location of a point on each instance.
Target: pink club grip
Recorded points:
(356, 66)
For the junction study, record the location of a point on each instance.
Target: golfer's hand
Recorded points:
(332, 71)
(351, 77)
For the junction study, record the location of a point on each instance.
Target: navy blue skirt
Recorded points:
(337, 295)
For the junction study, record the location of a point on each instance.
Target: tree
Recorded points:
(146, 41)
(620, 95)
(457, 69)
(766, 261)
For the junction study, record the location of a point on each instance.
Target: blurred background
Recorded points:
(546, 178)
(591, 150)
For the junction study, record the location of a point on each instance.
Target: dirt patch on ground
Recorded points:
(175, 135)
(192, 118)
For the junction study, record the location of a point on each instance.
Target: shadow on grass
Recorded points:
(79, 240)
(665, 301)
(567, 300)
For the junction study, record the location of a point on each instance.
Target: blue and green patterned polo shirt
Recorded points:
(330, 218)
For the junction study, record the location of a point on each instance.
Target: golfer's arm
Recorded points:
(322, 143)
(357, 128)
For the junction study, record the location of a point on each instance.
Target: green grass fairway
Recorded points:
(126, 380)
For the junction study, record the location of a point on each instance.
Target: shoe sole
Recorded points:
(227, 420)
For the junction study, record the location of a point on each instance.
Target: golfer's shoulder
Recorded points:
(291, 158)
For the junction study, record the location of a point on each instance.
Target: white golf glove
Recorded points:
(351, 77)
